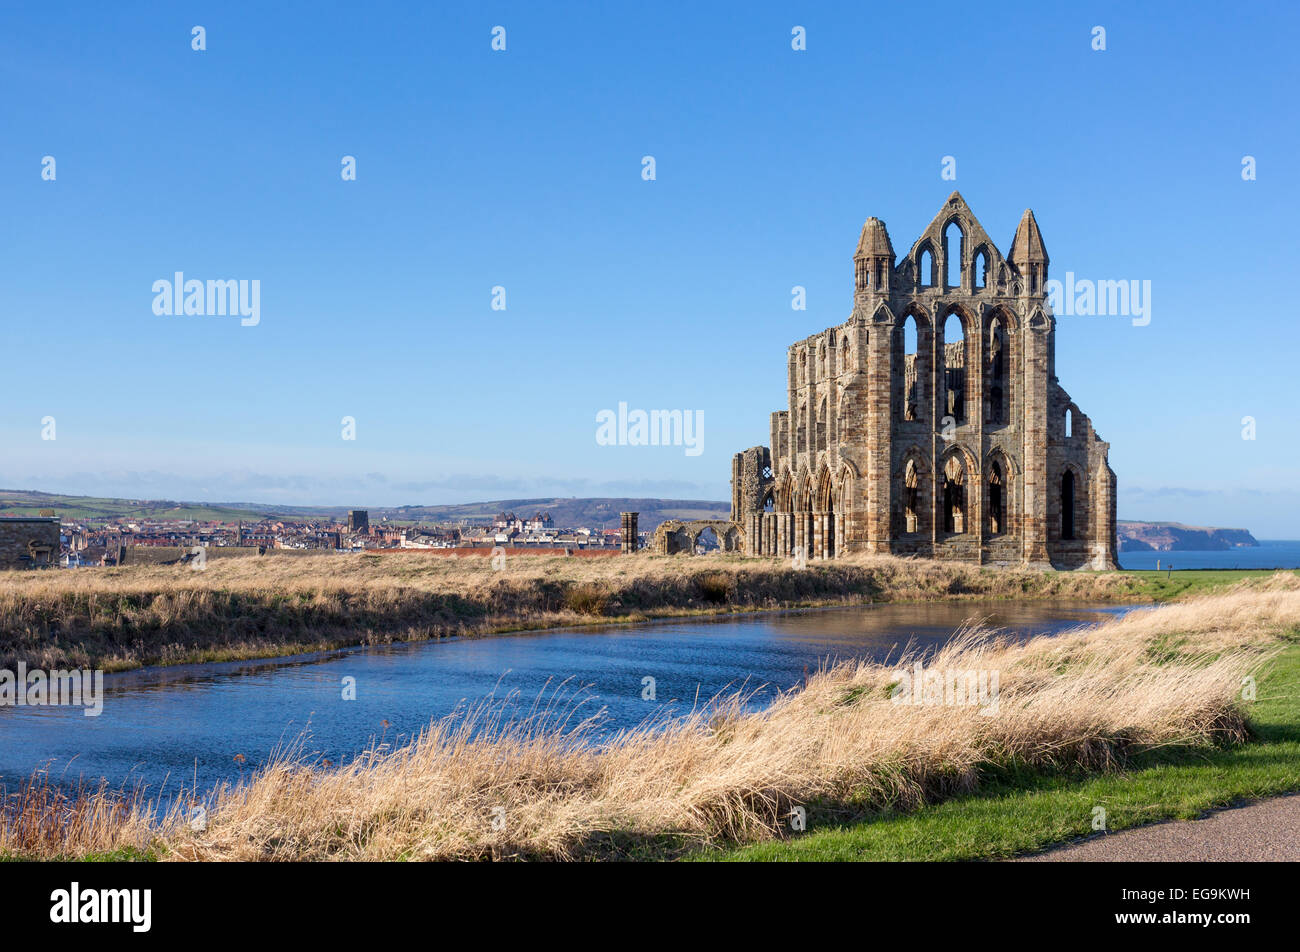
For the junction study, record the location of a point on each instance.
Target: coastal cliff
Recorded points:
(1174, 537)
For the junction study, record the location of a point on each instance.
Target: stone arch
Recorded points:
(981, 268)
(705, 538)
(802, 487)
(954, 256)
(955, 362)
(675, 536)
(825, 489)
(955, 488)
(1071, 422)
(1001, 494)
(783, 490)
(927, 265)
(911, 372)
(824, 503)
(912, 488)
(846, 481)
(1071, 503)
(1001, 365)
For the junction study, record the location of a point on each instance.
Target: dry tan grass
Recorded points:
(242, 608)
(1167, 676)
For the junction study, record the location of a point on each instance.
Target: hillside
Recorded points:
(1175, 537)
(593, 512)
(95, 510)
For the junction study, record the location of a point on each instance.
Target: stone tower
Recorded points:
(931, 421)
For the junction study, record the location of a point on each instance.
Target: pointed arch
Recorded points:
(957, 473)
(954, 358)
(1001, 495)
(1072, 503)
(842, 507)
(783, 489)
(912, 486)
(981, 263)
(825, 488)
(926, 266)
(1001, 364)
(954, 257)
(910, 360)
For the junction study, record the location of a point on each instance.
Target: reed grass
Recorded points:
(120, 618)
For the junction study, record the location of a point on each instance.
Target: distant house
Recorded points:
(539, 523)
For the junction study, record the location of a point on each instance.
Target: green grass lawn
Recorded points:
(1017, 812)
(1163, 587)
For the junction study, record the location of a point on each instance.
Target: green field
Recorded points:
(1020, 812)
(97, 510)
(1163, 587)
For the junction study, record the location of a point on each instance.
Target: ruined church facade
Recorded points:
(931, 422)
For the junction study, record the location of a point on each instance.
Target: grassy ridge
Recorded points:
(126, 617)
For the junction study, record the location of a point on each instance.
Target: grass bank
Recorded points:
(127, 617)
(1020, 811)
(1083, 706)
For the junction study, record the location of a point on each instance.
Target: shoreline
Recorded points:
(594, 628)
(138, 617)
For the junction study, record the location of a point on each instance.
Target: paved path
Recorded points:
(1265, 831)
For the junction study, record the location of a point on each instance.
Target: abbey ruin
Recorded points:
(931, 421)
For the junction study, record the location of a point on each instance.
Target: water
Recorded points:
(1269, 554)
(185, 725)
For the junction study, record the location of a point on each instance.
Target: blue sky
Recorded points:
(522, 169)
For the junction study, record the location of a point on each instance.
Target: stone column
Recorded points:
(879, 464)
(1037, 345)
(628, 539)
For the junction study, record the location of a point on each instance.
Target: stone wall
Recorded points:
(29, 542)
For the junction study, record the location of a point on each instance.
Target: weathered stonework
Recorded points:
(674, 536)
(962, 448)
(628, 534)
(27, 543)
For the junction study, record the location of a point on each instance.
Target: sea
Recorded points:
(1269, 554)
